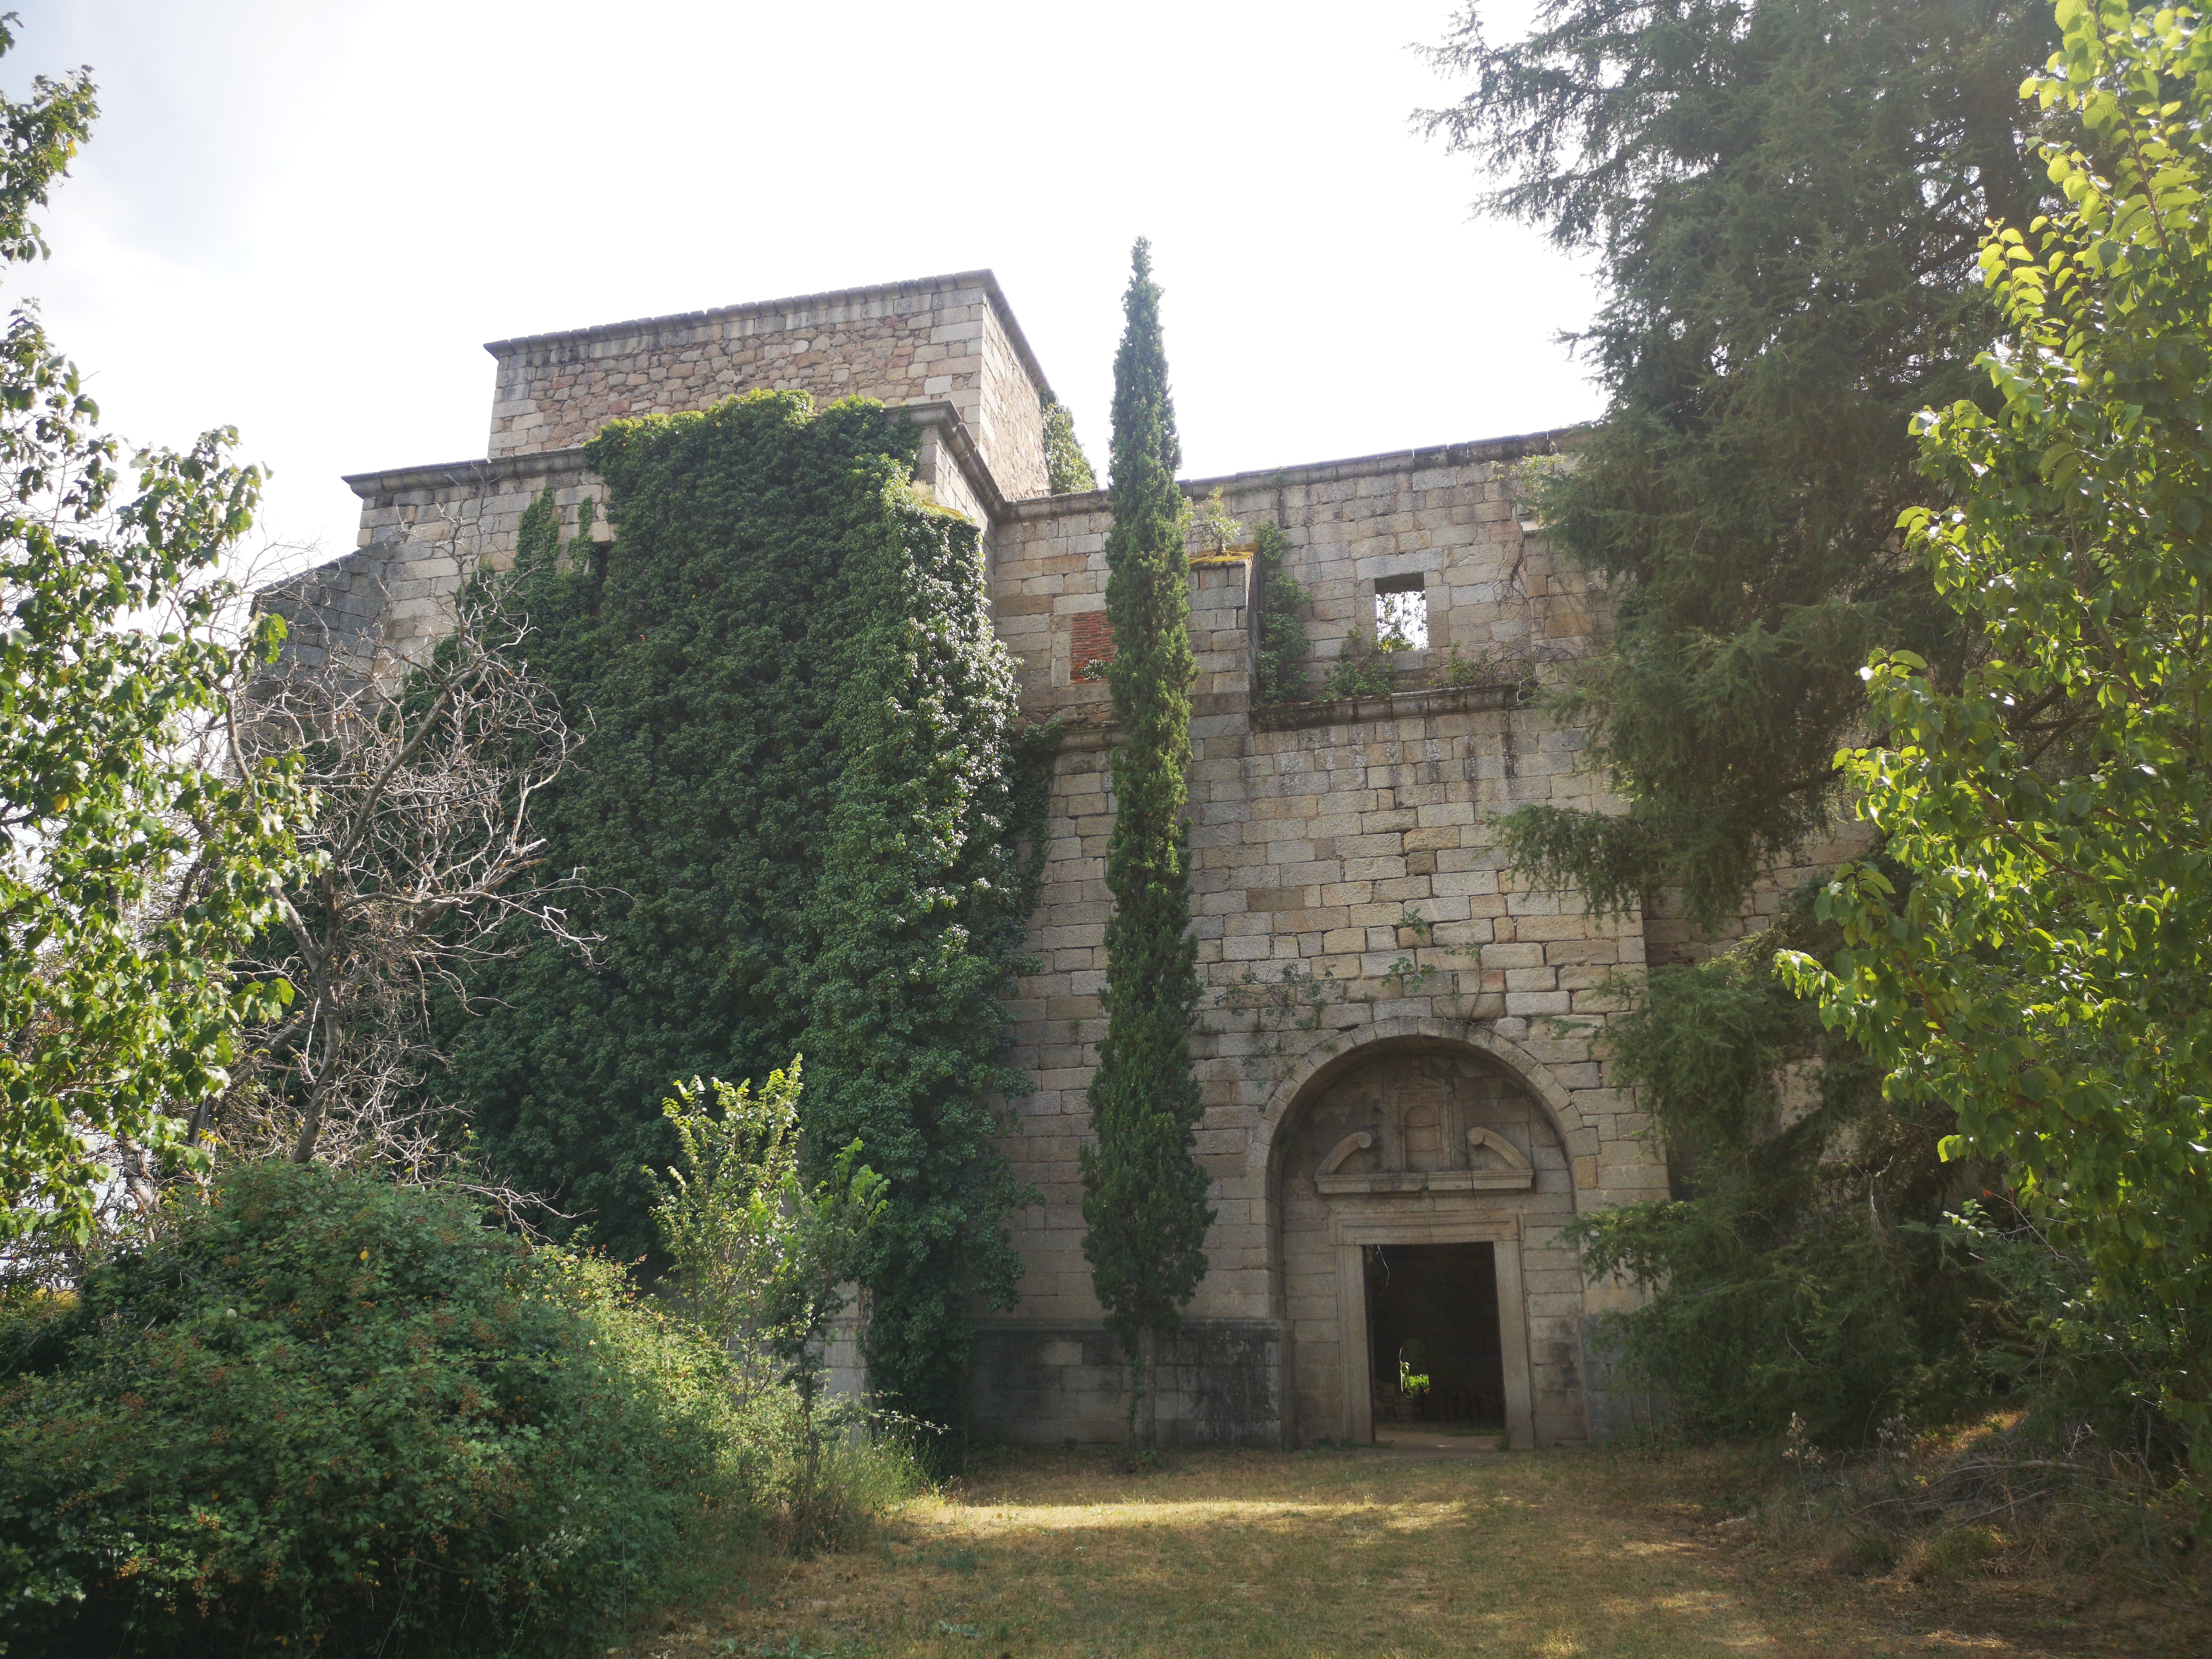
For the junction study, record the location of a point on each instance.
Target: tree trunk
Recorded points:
(1148, 1403)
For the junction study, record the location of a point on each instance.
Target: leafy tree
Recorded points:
(2043, 975)
(764, 1256)
(137, 854)
(1144, 1193)
(1065, 465)
(799, 805)
(1803, 1271)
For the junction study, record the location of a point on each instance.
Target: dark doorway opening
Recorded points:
(1432, 1332)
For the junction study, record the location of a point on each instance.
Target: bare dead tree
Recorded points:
(424, 866)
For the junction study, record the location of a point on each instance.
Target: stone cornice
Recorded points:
(482, 476)
(960, 443)
(1079, 735)
(438, 475)
(1397, 706)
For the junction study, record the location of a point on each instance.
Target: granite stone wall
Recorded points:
(1351, 901)
(943, 340)
(423, 530)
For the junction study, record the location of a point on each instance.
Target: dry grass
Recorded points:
(1547, 1554)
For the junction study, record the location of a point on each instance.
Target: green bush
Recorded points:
(320, 1410)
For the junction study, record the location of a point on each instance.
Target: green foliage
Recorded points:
(2044, 975)
(1394, 624)
(1211, 523)
(137, 859)
(1785, 197)
(762, 1256)
(1144, 1193)
(1278, 666)
(802, 804)
(322, 1411)
(1807, 1272)
(1360, 671)
(1066, 467)
(1477, 669)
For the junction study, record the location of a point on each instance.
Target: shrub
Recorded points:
(320, 1410)
(1956, 1552)
(1359, 670)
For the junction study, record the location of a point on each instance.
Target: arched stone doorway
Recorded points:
(1418, 1176)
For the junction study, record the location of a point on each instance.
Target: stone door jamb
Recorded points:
(1352, 1233)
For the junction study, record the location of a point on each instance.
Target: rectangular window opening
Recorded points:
(1401, 613)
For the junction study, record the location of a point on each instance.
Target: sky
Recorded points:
(303, 218)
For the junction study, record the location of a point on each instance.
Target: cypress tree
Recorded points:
(1144, 1193)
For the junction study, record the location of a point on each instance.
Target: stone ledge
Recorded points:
(380, 487)
(954, 434)
(1079, 736)
(1513, 448)
(1398, 705)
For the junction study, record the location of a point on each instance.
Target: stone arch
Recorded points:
(1321, 1065)
(1317, 1220)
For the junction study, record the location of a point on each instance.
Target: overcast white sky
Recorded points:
(304, 217)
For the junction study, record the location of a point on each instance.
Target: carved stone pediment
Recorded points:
(1494, 1165)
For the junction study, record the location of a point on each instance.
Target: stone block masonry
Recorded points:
(943, 340)
(1402, 1043)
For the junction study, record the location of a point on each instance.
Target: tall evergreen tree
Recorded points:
(1784, 198)
(1144, 1193)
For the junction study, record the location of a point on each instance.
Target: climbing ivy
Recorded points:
(800, 807)
(1144, 1193)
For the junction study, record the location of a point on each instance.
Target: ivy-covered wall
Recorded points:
(797, 803)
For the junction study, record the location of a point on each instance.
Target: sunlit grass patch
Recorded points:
(1571, 1553)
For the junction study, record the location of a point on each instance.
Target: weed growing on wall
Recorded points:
(1360, 670)
(800, 804)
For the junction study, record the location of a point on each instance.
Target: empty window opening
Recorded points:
(1401, 614)
(1438, 1363)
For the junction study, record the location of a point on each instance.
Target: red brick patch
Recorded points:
(1092, 642)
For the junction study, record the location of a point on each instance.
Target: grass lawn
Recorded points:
(1549, 1554)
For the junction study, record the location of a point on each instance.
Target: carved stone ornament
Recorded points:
(1517, 1174)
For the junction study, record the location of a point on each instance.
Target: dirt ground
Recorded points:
(1557, 1555)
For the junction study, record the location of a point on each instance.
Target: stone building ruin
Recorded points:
(1402, 1050)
